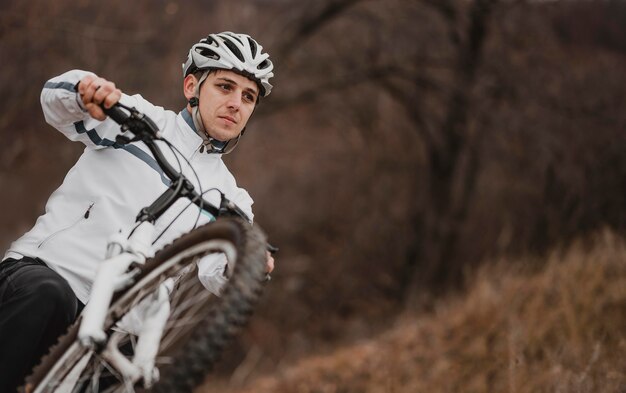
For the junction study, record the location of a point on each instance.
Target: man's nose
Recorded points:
(234, 101)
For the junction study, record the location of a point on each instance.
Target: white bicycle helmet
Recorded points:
(230, 51)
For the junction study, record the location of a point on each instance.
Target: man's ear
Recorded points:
(189, 86)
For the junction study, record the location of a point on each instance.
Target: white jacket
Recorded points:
(107, 187)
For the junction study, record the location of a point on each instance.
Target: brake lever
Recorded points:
(272, 249)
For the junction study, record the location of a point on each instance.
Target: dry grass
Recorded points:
(561, 328)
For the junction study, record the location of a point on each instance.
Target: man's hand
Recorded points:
(95, 91)
(270, 263)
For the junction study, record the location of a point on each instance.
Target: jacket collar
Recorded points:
(189, 120)
(187, 117)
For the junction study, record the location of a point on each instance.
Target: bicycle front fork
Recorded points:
(112, 275)
(148, 325)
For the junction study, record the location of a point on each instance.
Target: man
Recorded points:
(46, 275)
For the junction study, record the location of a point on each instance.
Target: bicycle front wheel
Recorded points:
(199, 325)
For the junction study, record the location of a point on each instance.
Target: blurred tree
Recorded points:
(405, 141)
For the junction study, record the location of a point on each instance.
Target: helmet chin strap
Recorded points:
(211, 145)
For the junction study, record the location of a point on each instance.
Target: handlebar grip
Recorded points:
(116, 113)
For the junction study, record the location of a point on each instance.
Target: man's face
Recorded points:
(227, 100)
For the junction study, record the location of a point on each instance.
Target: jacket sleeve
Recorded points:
(211, 267)
(63, 109)
(238, 195)
(211, 272)
(242, 199)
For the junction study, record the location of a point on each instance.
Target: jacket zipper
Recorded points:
(83, 217)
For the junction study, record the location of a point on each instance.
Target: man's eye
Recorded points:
(249, 97)
(225, 87)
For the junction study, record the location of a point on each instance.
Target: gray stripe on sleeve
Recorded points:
(60, 85)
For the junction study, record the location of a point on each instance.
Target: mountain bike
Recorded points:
(149, 323)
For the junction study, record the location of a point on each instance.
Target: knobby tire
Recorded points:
(214, 321)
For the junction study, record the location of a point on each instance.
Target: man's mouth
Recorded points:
(228, 118)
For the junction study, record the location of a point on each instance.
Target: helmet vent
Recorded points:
(233, 48)
(252, 46)
(233, 36)
(209, 41)
(208, 53)
(263, 65)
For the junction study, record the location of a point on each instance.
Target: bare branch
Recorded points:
(410, 104)
(313, 23)
(345, 81)
(335, 85)
(444, 8)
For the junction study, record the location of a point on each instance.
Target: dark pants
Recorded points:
(36, 307)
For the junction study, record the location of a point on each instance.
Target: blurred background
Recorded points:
(405, 143)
